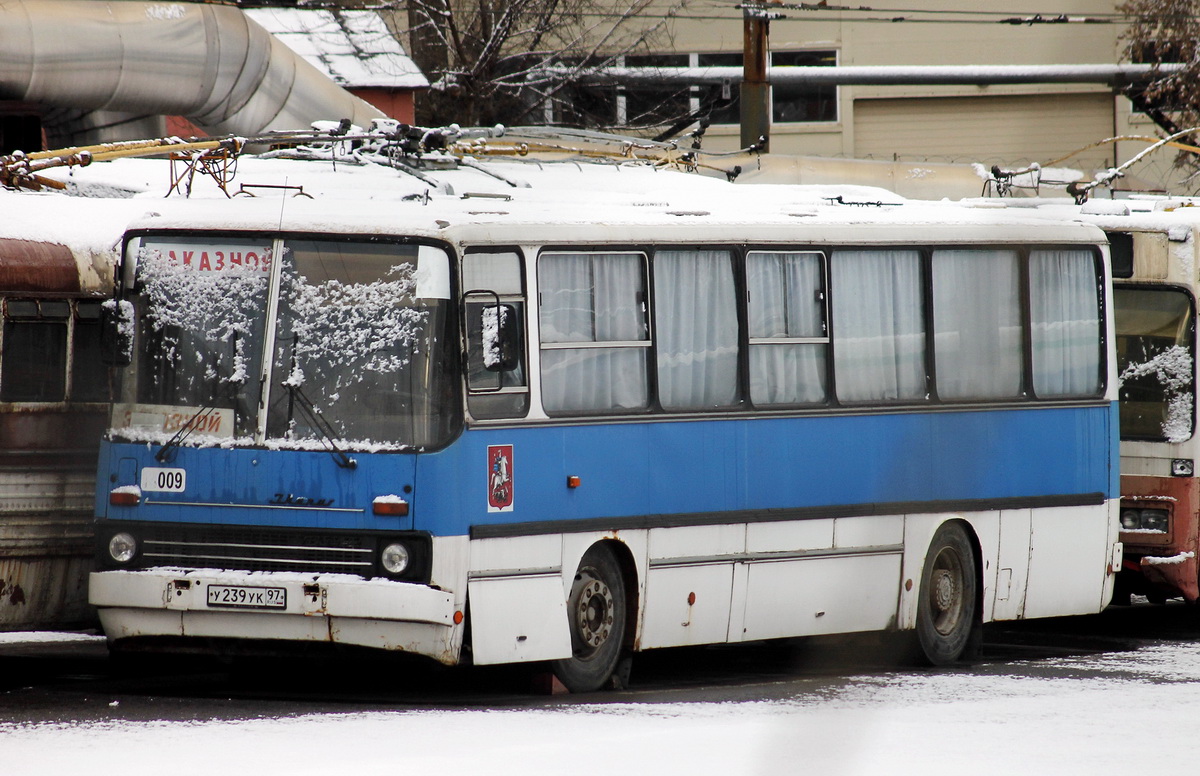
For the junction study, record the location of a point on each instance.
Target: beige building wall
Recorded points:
(1008, 125)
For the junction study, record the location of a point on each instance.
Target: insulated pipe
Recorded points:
(209, 63)
(886, 75)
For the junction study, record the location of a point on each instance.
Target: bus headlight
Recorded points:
(395, 558)
(122, 547)
(1148, 520)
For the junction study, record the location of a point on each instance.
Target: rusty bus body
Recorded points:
(53, 399)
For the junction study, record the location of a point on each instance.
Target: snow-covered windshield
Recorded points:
(359, 357)
(1155, 363)
(201, 314)
(360, 345)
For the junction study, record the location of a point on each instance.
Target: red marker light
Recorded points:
(573, 481)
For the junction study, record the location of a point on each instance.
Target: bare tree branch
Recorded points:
(490, 60)
(1161, 32)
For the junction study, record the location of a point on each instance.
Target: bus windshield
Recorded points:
(1155, 362)
(352, 344)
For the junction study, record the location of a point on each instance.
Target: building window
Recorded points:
(790, 104)
(649, 105)
(721, 108)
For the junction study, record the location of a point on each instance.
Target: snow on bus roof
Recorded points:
(339, 196)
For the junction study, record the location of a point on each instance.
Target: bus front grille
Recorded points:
(255, 549)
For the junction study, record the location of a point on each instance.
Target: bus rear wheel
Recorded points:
(596, 615)
(946, 607)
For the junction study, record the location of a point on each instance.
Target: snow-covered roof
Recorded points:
(507, 200)
(354, 48)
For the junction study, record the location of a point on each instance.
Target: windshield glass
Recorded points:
(359, 361)
(200, 306)
(1155, 363)
(360, 346)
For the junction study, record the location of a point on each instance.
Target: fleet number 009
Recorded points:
(157, 479)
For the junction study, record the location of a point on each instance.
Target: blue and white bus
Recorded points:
(598, 409)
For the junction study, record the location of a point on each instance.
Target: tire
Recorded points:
(946, 610)
(596, 612)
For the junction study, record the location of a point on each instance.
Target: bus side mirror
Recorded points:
(116, 332)
(501, 337)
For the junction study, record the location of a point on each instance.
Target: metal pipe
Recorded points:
(946, 75)
(209, 63)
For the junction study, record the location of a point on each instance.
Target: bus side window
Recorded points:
(595, 332)
(1120, 249)
(789, 338)
(33, 359)
(978, 333)
(1064, 291)
(878, 325)
(492, 285)
(89, 375)
(696, 329)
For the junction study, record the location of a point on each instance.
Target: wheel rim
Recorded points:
(593, 615)
(946, 591)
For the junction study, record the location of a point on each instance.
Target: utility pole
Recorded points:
(756, 88)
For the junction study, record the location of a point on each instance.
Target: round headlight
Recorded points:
(394, 558)
(122, 547)
(1130, 519)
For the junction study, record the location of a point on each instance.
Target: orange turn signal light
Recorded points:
(122, 497)
(573, 481)
(390, 506)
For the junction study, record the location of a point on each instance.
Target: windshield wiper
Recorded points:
(164, 452)
(297, 399)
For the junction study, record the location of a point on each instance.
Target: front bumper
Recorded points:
(335, 608)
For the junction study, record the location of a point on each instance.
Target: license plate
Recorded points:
(239, 596)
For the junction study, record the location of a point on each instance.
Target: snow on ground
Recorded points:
(1099, 714)
(46, 637)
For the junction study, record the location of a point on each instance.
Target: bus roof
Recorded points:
(493, 201)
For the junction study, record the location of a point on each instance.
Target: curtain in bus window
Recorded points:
(1065, 310)
(878, 329)
(595, 301)
(696, 329)
(786, 302)
(977, 324)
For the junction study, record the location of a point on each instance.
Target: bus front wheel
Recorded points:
(946, 608)
(596, 614)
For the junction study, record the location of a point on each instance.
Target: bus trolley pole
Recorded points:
(756, 86)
